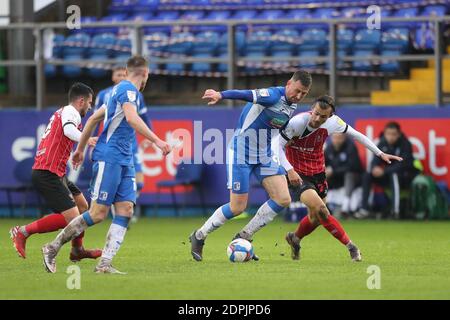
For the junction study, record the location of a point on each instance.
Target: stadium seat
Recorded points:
(439, 11)
(239, 42)
(72, 71)
(390, 66)
(214, 15)
(169, 15)
(97, 73)
(254, 66)
(244, 15)
(180, 44)
(120, 17)
(192, 15)
(313, 39)
(366, 39)
(146, 6)
(405, 13)
(58, 45)
(50, 70)
(76, 44)
(188, 175)
(284, 40)
(83, 20)
(122, 49)
(102, 44)
(140, 16)
(362, 65)
(258, 41)
(344, 38)
(205, 46)
(309, 63)
(121, 6)
(395, 39)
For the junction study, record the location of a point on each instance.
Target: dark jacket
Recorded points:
(344, 160)
(401, 148)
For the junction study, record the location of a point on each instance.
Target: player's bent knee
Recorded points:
(283, 201)
(323, 213)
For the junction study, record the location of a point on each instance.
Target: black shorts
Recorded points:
(57, 192)
(316, 182)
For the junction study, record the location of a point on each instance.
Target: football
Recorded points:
(240, 250)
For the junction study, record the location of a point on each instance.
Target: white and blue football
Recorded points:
(240, 250)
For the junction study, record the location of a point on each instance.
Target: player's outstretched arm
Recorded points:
(371, 146)
(139, 125)
(92, 122)
(265, 97)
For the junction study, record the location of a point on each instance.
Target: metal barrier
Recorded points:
(137, 37)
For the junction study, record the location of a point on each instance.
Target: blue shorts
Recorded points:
(137, 161)
(112, 183)
(239, 174)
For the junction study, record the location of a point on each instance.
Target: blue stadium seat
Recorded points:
(122, 50)
(121, 6)
(112, 18)
(145, 6)
(405, 13)
(50, 70)
(168, 15)
(254, 66)
(76, 44)
(309, 53)
(214, 15)
(280, 63)
(390, 66)
(395, 39)
(181, 43)
(102, 44)
(270, 14)
(205, 46)
(97, 72)
(140, 16)
(192, 15)
(239, 42)
(434, 11)
(258, 41)
(244, 15)
(83, 20)
(367, 39)
(313, 39)
(284, 40)
(222, 67)
(362, 65)
(58, 45)
(72, 71)
(345, 38)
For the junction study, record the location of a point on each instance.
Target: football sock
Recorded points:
(335, 228)
(219, 217)
(114, 238)
(73, 229)
(78, 241)
(263, 216)
(49, 223)
(305, 227)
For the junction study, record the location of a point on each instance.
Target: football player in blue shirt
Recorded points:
(113, 179)
(249, 151)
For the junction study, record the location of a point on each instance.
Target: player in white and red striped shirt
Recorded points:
(301, 151)
(49, 175)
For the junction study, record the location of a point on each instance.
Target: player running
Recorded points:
(303, 138)
(113, 172)
(49, 175)
(249, 152)
(119, 73)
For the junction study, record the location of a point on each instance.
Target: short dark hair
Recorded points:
(392, 125)
(304, 77)
(325, 102)
(78, 90)
(119, 67)
(136, 62)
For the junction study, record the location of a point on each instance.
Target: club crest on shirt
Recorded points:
(131, 95)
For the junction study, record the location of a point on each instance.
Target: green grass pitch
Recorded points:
(413, 258)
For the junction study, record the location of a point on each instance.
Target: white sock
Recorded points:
(72, 230)
(114, 238)
(263, 216)
(219, 217)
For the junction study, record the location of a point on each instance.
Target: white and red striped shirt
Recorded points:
(305, 148)
(55, 148)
